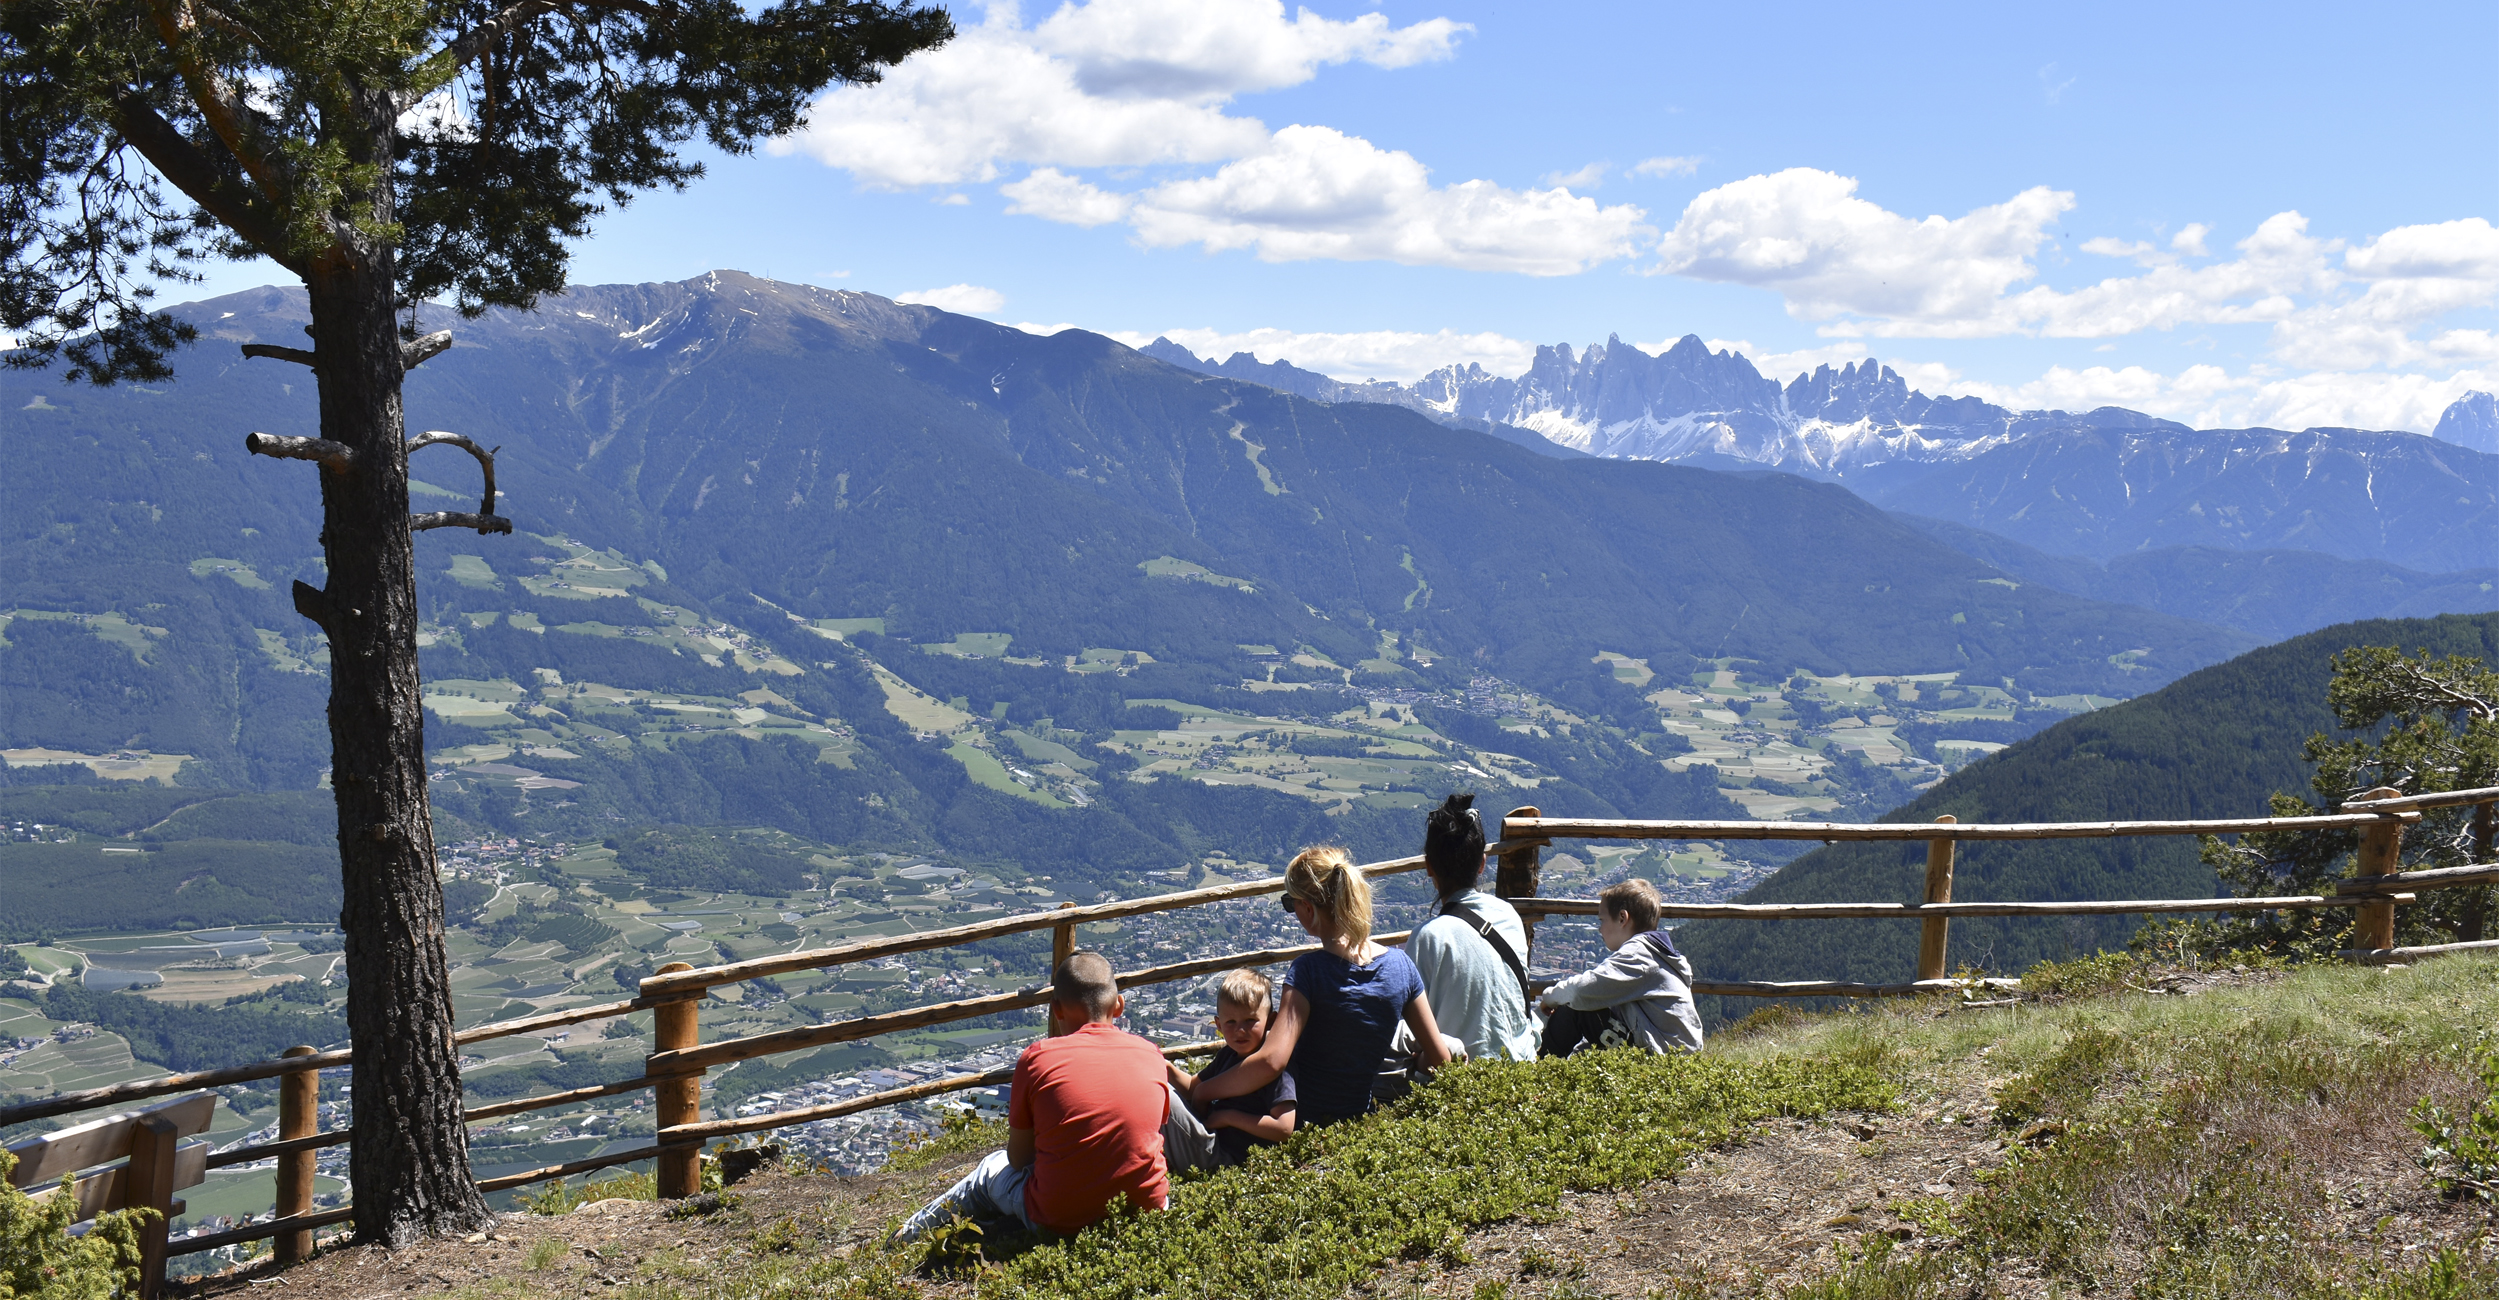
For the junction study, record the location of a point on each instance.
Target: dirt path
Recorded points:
(1773, 1208)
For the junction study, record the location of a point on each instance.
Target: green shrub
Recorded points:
(2462, 1154)
(39, 1260)
(1486, 1142)
(560, 1197)
(2065, 1082)
(2104, 972)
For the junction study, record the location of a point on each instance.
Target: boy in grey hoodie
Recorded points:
(1641, 996)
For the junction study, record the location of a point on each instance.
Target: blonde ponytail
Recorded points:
(1326, 878)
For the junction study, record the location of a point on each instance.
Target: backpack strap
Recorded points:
(1484, 930)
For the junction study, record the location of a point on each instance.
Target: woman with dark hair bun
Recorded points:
(1473, 952)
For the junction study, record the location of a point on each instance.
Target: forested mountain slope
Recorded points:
(844, 457)
(2215, 743)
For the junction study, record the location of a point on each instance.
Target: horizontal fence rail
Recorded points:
(1918, 911)
(689, 1059)
(1593, 828)
(2444, 799)
(691, 982)
(675, 1066)
(721, 1128)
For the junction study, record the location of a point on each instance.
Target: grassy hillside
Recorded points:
(2215, 743)
(2254, 1139)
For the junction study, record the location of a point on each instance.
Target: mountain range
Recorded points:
(875, 573)
(2096, 484)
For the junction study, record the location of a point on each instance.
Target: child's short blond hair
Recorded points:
(1246, 989)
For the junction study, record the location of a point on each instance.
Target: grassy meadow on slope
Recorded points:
(2302, 1132)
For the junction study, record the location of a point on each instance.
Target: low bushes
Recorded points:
(1486, 1142)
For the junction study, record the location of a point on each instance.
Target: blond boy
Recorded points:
(1258, 1118)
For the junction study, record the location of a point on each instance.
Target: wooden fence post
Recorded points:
(1931, 932)
(299, 1116)
(2375, 923)
(2485, 828)
(149, 1181)
(1515, 876)
(675, 1026)
(1062, 947)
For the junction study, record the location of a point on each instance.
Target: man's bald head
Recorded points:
(1085, 980)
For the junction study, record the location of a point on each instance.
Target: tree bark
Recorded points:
(410, 1162)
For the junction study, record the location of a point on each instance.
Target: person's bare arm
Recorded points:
(1264, 1065)
(1020, 1147)
(1430, 1051)
(1179, 1079)
(1274, 1126)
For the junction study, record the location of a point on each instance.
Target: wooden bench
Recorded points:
(156, 1164)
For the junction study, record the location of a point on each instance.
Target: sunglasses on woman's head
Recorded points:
(1288, 901)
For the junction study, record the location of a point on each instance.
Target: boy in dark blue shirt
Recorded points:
(1262, 1117)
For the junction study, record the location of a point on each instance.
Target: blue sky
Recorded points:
(2227, 214)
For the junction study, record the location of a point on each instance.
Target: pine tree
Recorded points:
(385, 152)
(2416, 725)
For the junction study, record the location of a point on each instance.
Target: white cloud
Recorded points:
(1209, 50)
(967, 299)
(2139, 251)
(1144, 83)
(1112, 83)
(1805, 233)
(1316, 193)
(1867, 272)
(2053, 85)
(2209, 397)
(1055, 196)
(1586, 178)
(1666, 165)
(1395, 355)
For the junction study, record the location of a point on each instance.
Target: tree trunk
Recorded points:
(410, 1161)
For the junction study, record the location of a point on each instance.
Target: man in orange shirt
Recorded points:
(1085, 1120)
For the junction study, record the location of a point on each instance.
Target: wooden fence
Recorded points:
(675, 1067)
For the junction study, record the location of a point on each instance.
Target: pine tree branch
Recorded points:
(416, 352)
(2422, 679)
(485, 520)
(181, 162)
(220, 16)
(275, 353)
(227, 115)
(459, 519)
(336, 457)
(440, 67)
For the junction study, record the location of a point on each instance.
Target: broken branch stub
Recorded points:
(485, 520)
(416, 352)
(275, 353)
(459, 519)
(336, 457)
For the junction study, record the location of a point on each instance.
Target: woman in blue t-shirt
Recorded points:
(1342, 1004)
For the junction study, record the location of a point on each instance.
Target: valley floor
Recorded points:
(2240, 1133)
